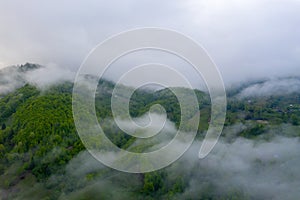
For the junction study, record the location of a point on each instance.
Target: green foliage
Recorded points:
(153, 182)
(272, 110)
(45, 126)
(39, 128)
(251, 132)
(11, 102)
(38, 135)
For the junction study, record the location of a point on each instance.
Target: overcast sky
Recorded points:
(245, 38)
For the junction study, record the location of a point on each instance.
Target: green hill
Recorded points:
(38, 137)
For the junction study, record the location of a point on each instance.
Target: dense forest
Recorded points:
(42, 157)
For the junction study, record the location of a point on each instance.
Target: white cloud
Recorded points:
(13, 77)
(276, 86)
(246, 39)
(49, 75)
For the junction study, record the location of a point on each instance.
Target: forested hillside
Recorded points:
(42, 157)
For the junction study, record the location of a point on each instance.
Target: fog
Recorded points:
(246, 39)
(275, 86)
(10, 79)
(258, 169)
(49, 75)
(14, 77)
(243, 169)
(261, 168)
(248, 169)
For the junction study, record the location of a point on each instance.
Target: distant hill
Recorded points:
(13, 77)
(38, 137)
(266, 87)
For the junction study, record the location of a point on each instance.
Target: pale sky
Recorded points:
(245, 38)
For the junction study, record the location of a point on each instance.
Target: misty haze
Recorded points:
(255, 46)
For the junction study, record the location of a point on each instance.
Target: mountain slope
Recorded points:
(39, 144)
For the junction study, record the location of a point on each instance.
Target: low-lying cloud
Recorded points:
(247, 39)
(241, 168)
(51, 74)
(276, 86)
(10, 79)
(14, 77)
(245, 169)
(253, 169)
